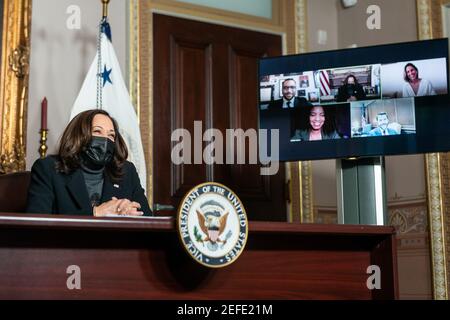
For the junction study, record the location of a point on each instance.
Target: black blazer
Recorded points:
(55, 192)
(344, 92)
(278, 104)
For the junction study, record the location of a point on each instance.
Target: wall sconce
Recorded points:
(349, 3)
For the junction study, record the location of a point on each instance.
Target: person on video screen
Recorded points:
(289, 100)
(351, 90)
(414, 85)
(383, 129)
(90, 174)
(320, 126)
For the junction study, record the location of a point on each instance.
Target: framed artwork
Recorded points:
(15, 56)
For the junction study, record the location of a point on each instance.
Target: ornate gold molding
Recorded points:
(301, 26)
(307, 210)
(140, 32)
(276, 20)
(133, 53)
(141, 78)
(14, 84)
(445, 185)
(429, 18)
(300, 188)
(18, 61)
(300, 173)
(436, 222)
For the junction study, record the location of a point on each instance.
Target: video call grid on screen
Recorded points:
(378, 102)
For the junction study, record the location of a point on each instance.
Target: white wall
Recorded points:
(323, 17)
(60, 58)
(324, 183)
(405, 177)
(398, 23)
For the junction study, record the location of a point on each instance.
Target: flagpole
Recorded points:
(105, 8)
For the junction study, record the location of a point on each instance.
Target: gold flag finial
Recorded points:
(105, 7)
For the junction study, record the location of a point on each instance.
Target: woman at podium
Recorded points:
(90, 174)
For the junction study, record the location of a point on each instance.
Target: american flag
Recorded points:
(325, 89)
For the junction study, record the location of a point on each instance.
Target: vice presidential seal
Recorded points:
(212, 224)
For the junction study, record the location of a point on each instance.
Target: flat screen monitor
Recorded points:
(370, 101)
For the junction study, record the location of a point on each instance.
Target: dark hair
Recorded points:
(76, 137)
(383, 113)
(350, 76)
(329, 124)
(288, 79)
(405, 76)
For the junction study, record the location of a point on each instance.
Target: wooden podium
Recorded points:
(137, 258)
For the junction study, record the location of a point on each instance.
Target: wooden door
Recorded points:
(206, 72)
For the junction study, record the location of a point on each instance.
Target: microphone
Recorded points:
(95, 199)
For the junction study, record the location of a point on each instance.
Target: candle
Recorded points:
(44, 114)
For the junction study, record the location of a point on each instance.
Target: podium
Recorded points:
(142, 258)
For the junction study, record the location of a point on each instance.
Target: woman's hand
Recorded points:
(127, 207)
(119, 207)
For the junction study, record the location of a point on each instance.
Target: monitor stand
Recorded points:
(361, 191)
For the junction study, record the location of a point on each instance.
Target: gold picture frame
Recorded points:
(15, 57)
(301, 209)
(430, 25)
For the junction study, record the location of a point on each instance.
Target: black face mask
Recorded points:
(351, 88)
(99, 151)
